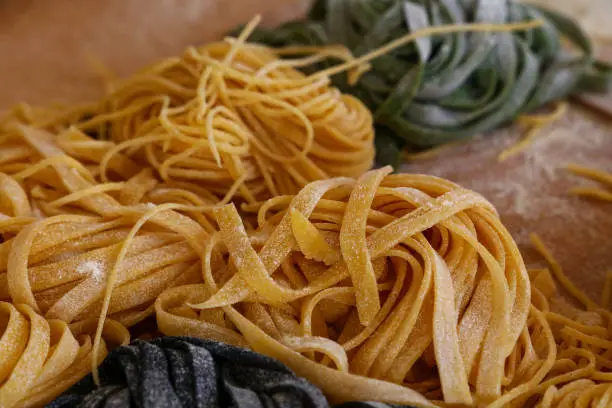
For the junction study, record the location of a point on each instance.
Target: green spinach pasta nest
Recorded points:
(448, 87)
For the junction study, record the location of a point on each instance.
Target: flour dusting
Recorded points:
(93, 269)
(530, 189)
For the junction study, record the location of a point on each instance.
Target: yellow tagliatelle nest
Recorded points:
(407, 279)
(228, 118)
(73, 249)
(42, 358)
(62, 233)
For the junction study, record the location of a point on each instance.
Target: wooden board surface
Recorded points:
(46, 45)
(530, 190)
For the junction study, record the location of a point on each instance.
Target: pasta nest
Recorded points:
(65, 239)
(42, 358)
(370, 288)
(227, 116)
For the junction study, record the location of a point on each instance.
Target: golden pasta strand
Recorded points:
(255, 274)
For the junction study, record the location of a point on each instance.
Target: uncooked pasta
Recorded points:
(564, 352)
(221, 116)
(42, 358)
(534, 124)
(226, 117)
(173, 372)
(226, 193)
(56, 256)
(72, 250)
(603, 178)
(386, 285)
(398, 288)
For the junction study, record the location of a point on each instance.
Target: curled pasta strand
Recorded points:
(432, 248)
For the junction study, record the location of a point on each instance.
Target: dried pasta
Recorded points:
(228, 116)
(599, 176)
(57, 259)
(397, 288)
(42, 358)
(73, 248)
(534, 123)
(221, 116)
(565, 349)
(406, 283)
(394, 288)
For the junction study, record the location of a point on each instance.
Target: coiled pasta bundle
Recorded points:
(60, 265)
(445, 89)
(221, 117)
(58, 259)
(39, 359)
(408, 279)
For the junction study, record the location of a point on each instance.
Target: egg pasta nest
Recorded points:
(42, 358)
(407, 279)
(395, 288)
(226, 116)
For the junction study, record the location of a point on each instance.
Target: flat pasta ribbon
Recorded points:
(441, 282)
(42, 358)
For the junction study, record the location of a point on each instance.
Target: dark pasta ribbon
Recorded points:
(189, 372)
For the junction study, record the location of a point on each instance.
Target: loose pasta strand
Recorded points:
(599, 176)
(396, 211)
(535, 123)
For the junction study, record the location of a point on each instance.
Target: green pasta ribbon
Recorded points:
(448, 87)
